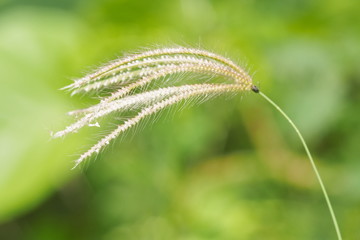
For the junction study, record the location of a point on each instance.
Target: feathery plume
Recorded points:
(136, 72)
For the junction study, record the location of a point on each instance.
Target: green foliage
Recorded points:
(228, 169)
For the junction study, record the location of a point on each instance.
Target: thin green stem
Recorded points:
(337, 229)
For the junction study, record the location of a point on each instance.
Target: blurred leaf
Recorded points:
(35, 44)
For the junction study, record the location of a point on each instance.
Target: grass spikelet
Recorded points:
(149, 58)
(130, 78)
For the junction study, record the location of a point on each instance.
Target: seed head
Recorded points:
(129, 79)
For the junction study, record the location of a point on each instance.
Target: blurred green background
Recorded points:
(228, 169)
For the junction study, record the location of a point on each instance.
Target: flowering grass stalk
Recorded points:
(129, 79)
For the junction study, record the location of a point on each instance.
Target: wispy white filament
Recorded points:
(164, 52)
(178, 64)
(206, 89)
(131, 102)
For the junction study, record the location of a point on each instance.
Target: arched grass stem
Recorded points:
(332, 213)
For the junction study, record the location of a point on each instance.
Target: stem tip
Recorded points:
(255, 89)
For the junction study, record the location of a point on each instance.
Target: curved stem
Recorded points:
(312, 164)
